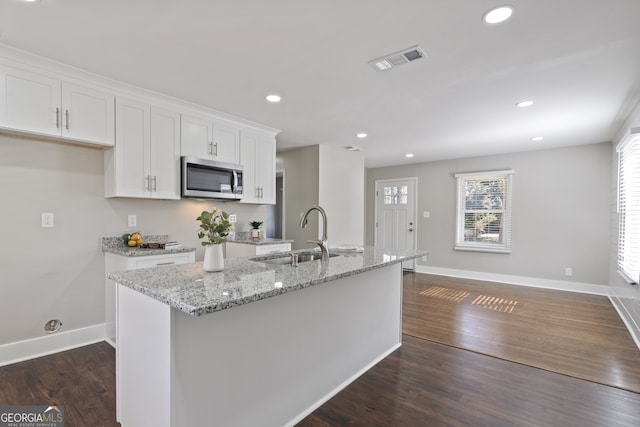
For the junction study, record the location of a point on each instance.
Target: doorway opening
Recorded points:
(276, 213)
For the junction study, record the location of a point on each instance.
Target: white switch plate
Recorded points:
(132, 220)
(426, 214)
(568, 271)
(233, 218)
(46, 219)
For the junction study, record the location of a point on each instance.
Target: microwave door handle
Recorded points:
(235, 181)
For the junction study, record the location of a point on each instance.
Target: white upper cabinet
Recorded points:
(258, 159)
(208, 138)
(145, 161)
(40, 104)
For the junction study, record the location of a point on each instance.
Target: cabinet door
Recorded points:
(266, 170)
(87, 114)
(226, 142)
(133, 177)
(248, 143)
(29, 101)
(196, 137)
(165, 154)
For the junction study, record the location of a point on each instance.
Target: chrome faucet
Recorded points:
(322, 243)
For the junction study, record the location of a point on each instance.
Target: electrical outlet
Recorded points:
(568, 271)
(46, 219)
(233, 218)
(424, 258)
(132, 220)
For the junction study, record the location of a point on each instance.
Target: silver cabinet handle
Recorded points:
(148, 185)
(165, 263)
(66, 115)
(262, 192)
(257, 192)
(211, 148)
(216, 152)
(57, 118)
(155, 183)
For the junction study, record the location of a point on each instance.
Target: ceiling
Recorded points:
(579, 60)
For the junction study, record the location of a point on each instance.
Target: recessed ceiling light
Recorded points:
(361, 135)
(537, 138)
(525, 103)
(497, 15)
(409, 155)
(273, 98)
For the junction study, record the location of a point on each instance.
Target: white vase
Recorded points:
(213, 258)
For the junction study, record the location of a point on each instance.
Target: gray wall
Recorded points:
(301, 174)
(58, 273)
(561, 212)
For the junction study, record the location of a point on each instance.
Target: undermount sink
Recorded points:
(286, 260)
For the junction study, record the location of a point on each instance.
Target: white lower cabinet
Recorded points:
(114, 262)
(145, 162)
(237, 250)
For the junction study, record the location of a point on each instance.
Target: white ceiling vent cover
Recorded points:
(398, 58)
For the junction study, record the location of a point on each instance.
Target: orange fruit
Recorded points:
(132, 242)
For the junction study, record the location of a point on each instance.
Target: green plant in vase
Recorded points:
(214, 228)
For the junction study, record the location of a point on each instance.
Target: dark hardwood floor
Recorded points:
(83, 380)
(473, 354)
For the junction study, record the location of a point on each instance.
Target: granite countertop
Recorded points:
(115, 245)
(244, 237)
(190, 289)
(265, 241)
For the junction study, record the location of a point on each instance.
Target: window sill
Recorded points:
(482, 249)
(627, 279)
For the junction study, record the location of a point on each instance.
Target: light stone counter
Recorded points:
(191, 290)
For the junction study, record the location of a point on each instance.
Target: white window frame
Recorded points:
(460, 243)
(628, 207)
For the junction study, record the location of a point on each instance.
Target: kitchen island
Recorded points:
(256, 344)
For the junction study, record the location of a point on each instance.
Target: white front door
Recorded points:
(396, 216)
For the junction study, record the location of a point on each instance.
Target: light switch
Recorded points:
(426, 214)
(132, 220)
(46, 219)
(233, 218)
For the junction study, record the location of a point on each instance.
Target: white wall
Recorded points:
(561, 213)
(58, 273)
(341, 194)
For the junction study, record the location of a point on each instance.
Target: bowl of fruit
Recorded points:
(132, 239)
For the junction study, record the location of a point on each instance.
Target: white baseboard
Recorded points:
(627, 318)
(341, 387)
(49, 344)
(586, 288)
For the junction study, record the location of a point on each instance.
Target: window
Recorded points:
(395, 195)
(483, 215)
(629, 206)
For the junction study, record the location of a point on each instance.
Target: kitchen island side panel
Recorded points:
(272, 362)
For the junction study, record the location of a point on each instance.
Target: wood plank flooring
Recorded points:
(83, 380)
(569, 333)
(432, 380)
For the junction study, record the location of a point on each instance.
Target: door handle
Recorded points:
(411, 229)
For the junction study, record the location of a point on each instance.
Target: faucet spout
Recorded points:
(323, 242)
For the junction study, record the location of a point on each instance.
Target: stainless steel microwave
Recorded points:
(206, 179)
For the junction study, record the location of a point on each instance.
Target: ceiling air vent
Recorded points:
(398, 58)
(351, 148)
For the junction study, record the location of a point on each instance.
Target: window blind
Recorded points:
(483, 214)
(629, 206)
